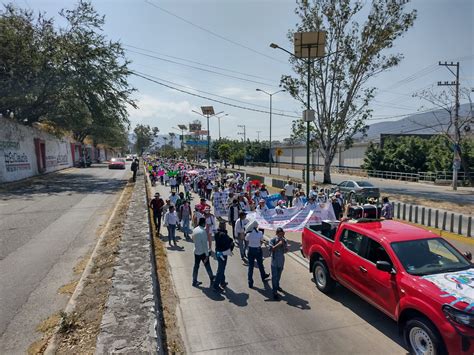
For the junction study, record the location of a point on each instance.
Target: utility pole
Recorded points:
(245, 142)
(258, 136)
(456, 156)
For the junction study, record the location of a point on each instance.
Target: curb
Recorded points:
(71, 305)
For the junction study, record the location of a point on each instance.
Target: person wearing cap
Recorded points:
(278, 246)
(202, 204)
(262, 206)
(239, 230)
(201, 252)
(280, 208)
(313, 192)
(156, 205)
(263, 191)
(224, 247)
(283, 197)
(173, 198)
(255, 239)
(339, 198)
(322, 198)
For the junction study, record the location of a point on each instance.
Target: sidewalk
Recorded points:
(130, 319)
(243, 320)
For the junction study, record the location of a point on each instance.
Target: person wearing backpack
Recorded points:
(224, 246)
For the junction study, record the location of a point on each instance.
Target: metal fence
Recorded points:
(431, 217)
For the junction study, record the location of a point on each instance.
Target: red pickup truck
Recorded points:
(414, 276)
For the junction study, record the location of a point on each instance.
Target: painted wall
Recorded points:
(350, 158)
(19, 156)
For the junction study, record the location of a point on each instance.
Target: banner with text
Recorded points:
(293, 219)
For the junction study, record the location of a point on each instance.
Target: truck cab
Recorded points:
(412, 275)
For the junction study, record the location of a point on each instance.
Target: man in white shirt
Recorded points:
(255, 238)
(239, 230)
(173, 183)
(289, 190)
(171, 221)
(173, 198)
(201, 252)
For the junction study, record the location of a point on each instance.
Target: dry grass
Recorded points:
(171, 335)
(81, 328)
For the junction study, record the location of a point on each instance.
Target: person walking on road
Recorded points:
(278, 246)
(171, 221)
(233, 215)
(289, 191)
(255, 239)
(224, 247)
(387, 210)
(201, 252)
(134, 168)
(185, 216)
(239, 228)
(156, 204)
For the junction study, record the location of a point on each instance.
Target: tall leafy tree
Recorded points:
(144, 135)
(339, 88)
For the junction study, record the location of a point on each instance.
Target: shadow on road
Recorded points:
(80, 182)
(368, 313)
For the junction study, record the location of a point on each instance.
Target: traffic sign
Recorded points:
(279, 152)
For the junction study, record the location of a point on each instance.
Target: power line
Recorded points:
(203, 64)
(210, 99)
(213, 33)
(207, 93)
(202, 69)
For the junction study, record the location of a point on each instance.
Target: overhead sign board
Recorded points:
(194, 127)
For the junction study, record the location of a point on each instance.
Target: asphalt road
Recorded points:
(46, 227)
(243, 320)
(464, 196)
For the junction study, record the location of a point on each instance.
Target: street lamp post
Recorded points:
(208, 111)
(307, 45)
(270, 145)
(219, 121)
(182, 128)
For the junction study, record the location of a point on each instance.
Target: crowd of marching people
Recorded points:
(232, 198)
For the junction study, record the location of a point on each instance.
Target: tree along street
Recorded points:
(47, 226)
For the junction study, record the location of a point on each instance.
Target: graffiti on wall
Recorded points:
(9, 145)
(16, 161)
(60, 159)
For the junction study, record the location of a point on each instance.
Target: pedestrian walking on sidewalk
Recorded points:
(201, 252)
(156, 204)
(134, 168)
(171, 220)
(387, 210)
(224, 247)
(185, 216)
(278, 246)
(239, 227)
(255, 239)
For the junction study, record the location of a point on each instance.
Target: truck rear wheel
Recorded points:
(322, 278)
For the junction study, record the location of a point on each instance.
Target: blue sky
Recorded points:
(443, 31)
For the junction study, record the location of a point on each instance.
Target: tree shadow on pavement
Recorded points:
(367, 312)
(60, 183)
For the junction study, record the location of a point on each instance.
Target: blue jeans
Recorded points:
(220, 276)
(255, 254)
(172, 233)
(242, 247)
(185, 226)
(276, 276)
